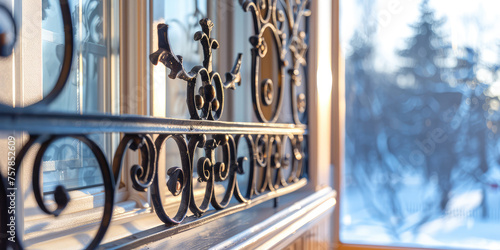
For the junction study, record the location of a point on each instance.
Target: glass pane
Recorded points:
(85, 89)
(422, 144)
(182, 18)
(69, 162)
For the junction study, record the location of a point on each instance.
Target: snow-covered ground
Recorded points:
(462, 226)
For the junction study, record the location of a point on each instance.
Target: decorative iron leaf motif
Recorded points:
(210, 96)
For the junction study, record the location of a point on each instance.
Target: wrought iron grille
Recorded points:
(147, 135)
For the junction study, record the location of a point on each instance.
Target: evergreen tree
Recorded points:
(423, 58)
(430, 96)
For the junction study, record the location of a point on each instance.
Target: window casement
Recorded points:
(127, 130)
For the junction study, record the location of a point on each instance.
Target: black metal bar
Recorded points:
(59, 123)
(74, 189)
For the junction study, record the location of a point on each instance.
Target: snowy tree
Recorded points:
(424, 57)
(433, 108)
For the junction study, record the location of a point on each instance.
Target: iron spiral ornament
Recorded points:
(278, 28)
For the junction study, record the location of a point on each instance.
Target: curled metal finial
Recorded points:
(141, 174)
(234, 76)
(165, 55)
(210, 96)
(176, 180)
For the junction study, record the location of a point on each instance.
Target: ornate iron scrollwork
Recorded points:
(269, 22)
(180, 176)
(297, 44)
(61, 197)
(267, 94)
(210, 98)
(142, 175)
(266, 166)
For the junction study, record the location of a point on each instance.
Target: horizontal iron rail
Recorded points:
(63, 123)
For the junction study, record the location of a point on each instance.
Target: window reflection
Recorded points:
(69, 162)
(85, 90)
